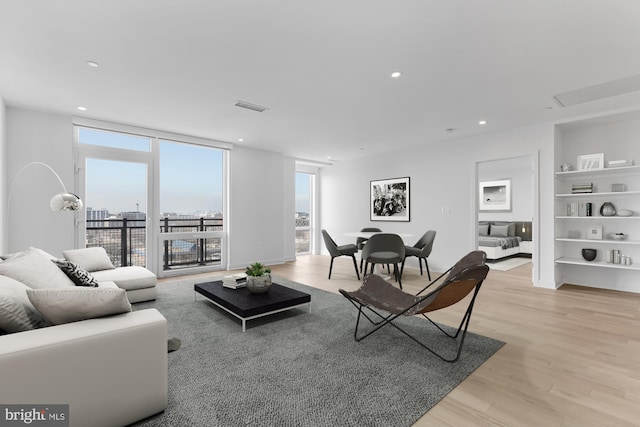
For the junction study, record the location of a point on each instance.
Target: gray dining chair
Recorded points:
(421, 250)
(361, 241)
(384, 248)
(336, 251)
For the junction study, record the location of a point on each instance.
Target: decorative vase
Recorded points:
(589, 254)
(607, 209)
(259, 284)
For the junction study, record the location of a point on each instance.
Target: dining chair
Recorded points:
(384, 248)
(360, 241)
(336, 251)
(421, 250)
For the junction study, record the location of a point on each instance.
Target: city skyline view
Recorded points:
(191, 177)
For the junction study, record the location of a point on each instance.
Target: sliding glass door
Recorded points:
(152, 201)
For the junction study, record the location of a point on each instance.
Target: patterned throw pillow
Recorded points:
(79, 276)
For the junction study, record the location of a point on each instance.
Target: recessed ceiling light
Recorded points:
(482, 122)
(396, 74)
(93, 64)
(82, 108)
(240, 139)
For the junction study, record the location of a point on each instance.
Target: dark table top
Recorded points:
(245, 304)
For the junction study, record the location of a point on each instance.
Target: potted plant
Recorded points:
(258, 278)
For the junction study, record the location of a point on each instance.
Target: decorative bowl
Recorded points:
(589, 254)
(625, 212)
(617, 236)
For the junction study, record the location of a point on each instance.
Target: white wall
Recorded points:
(3, 174)
(261, 184)
(442, 176)
(38, 137)
(519, 172)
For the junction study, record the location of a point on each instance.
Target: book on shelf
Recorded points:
(582, 188)
(235, 281)
(580, 209)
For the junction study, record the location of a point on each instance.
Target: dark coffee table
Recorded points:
(246, 306)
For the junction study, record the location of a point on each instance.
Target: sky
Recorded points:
(191, 177)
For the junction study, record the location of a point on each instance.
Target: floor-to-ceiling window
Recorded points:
(151, 200)
(304, 212)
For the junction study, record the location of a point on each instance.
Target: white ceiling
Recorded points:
(321, 67)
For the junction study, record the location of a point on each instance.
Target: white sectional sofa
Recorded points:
(111, 371)
(70, 337)
(139, 282)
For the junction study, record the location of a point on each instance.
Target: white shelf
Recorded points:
(597, 264)
(626, 170)
(602, 194)
(601, 241)
(599, 218)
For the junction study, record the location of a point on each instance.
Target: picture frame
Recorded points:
(495, 196)
(390, 199)
(594, 232)
(590, 161)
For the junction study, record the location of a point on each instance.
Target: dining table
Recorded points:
(368, 234)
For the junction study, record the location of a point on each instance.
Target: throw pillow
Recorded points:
(77, 275)
(17, 314)
(483, 229)
(64, 305)
(511, 231)
(499, 230)
(34, 269)
(90, 259)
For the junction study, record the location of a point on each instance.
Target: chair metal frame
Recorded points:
(480, 269)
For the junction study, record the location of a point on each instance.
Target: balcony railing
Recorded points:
(125, 241)
(303, 241)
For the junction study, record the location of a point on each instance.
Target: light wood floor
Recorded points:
(572, 356)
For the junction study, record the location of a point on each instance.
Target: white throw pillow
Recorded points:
(64, 305)
(90, 259)
(17, 314)
(35, 270)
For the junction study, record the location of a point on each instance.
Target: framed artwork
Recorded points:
(495, 195)
(390, 200)
(591, 161)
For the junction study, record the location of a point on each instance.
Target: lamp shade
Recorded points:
(65, 202)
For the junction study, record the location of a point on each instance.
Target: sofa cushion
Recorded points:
(64, 305)
(129, 278)
(17, 314)
(90, 259)
(35, 270)
(77, 275)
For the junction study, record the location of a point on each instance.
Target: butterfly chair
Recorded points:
(377, 295)
(384, 248)
(421, 250)
(360, 241)
(336, 251)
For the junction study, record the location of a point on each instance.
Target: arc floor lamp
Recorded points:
(64, 201)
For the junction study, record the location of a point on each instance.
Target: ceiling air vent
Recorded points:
(249, 106)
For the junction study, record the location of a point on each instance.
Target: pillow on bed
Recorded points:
(499, 231)
(483, 229)
(511, 232)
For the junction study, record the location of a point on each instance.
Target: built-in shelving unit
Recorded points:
(574, 230)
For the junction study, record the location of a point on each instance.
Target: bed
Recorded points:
(500, 239)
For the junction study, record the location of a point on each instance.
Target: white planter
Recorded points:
(259, 284)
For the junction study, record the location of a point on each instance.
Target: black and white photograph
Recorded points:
(390, 200)
(495, 195)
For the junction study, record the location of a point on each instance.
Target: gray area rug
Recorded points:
(298, 368)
